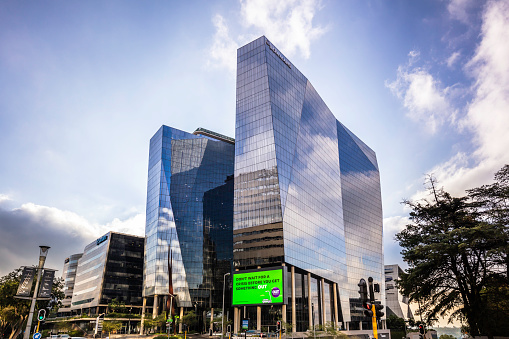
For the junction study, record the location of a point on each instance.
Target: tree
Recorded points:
(456, 249)
(447, 336)
(395, 323)
(13, 311)
(111, 326)
(190, 319)
(116, 306)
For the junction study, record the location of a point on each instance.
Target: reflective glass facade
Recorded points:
(190, 210)
(111, 267)
(306, 191)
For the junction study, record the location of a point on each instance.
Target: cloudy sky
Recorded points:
(85, 84)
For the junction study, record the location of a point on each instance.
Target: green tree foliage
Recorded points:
(117, 306)
(447, 336)
(111, 326)
(191, 320)
(456, 249)
(13, 311)
(395, 323)
(158, 322)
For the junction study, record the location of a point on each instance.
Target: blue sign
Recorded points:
(245, 324)
(101, 239)
(37, 335)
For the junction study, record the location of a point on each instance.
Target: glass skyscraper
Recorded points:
(307, 192)
(190, 211)
(295, 189)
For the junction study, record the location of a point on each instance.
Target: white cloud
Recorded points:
(222, 51)
(4, 197)
(426, 102)
(452, 59)
(458, 9)
(287, 23)
(487, 115)
(393, 225)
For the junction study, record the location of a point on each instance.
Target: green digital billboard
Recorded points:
(257, 287)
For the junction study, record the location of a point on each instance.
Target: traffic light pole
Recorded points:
(375, 328)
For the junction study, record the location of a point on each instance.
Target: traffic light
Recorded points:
(278, 326)
(41, 315)
(367, 310)
(363, 291)
(421, 329)
(378, 309)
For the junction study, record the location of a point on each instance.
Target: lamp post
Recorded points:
(42, 258)
(222, 318)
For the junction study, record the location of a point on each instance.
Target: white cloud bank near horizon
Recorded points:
(66, 232)
(287, 23)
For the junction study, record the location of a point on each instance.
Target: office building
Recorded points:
(397, 303)
(295, 190)
(190, 211)
(111, 268)
(69, 275)
(307, 196)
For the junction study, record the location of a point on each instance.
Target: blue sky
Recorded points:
(85, 84)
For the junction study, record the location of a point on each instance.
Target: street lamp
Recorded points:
(222, 318)
(42, 259)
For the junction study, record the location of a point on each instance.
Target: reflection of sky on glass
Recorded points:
(327, 178)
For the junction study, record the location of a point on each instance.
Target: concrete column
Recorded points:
(181, 316)
(235, 319)
(143, 315)
(335, 287)
(310, 309)
(348, 326)
(211, 318)
(259, 318)
(294, 305)
(324, 321)
(155, 308)
(360, 325)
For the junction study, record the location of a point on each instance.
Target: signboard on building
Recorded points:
(258, 287)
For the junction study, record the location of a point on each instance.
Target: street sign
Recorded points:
(169, 320)
(245, 324)
(37, 335)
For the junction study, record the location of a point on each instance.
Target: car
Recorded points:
(256, 333)
(64, 336)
